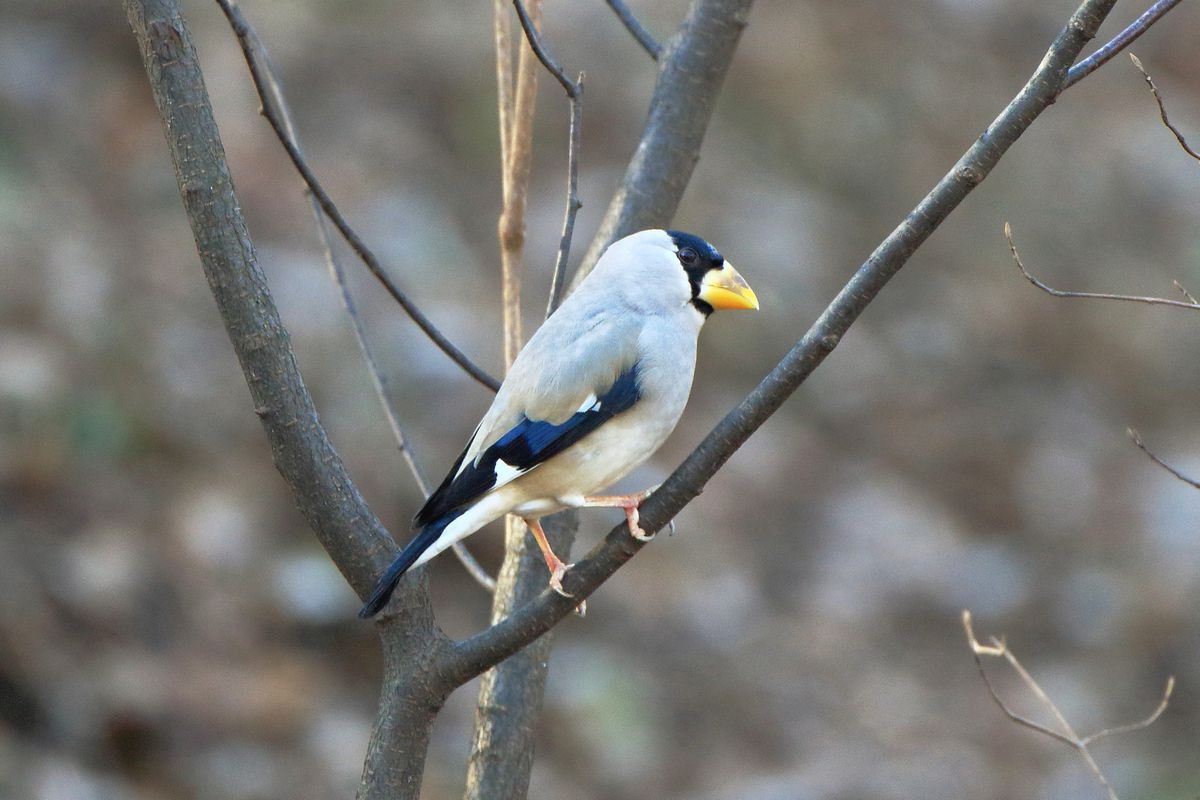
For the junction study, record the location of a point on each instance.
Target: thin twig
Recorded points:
(1185, 293)
(539, 49)
(238, 23)
(574, 92)
(558, 279)
(635, 28)
(1162, 108)
(272, 92)
(1137, 726)
(999, 649)
(1137, 440)
(1118, 42)
(1156, 301)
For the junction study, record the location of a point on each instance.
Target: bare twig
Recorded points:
(999, 649)
(1185, 292)
(574, 92)
(558, 279)
(527, 623)
(1156, 301)
(238, 23)
(635, 28)
(1162, 109)
(272, 92)
(1118, 42)
(1137, 440)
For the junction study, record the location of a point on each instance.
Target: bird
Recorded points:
(593, 393)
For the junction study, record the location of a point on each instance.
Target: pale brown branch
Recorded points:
(238, 23)
(271, 91)
(1133, 727)
(1185, 292)
(999, 649)
(1137, 440)
(1156, 301)
(1162, 109)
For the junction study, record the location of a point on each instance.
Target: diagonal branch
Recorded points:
(1154, 301)
(331, 210)
(481, 651)
(1162, 109)
(635, 28)
(1137, 440)
(272, 92)
(1119, 42)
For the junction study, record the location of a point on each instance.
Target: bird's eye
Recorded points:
(688, 256)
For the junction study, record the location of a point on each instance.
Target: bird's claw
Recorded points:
(556, 579)
(635, 530)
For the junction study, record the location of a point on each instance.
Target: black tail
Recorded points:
(408, 556)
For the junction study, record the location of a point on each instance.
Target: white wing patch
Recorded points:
(590, 403)
(506, 473)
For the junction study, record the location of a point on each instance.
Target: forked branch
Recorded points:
(1066, 733)
(1119, 42)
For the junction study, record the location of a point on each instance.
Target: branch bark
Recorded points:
(479, 652)
(349, 531)
(691, 68)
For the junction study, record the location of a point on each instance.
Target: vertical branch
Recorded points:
(327, 497)
(691, 68)
(510, 695)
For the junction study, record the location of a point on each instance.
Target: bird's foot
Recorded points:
(557, 571)
(629, 503)
(635, 530)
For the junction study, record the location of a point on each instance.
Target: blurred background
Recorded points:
(169, 627)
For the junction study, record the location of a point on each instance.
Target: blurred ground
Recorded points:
(170, 629)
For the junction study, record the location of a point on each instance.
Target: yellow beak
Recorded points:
(725, 289)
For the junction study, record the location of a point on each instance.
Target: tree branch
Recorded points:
(574, 95)
(272, 92)
(323, 490)
(1137, 440)
(1154, 301)
(532, 620)
(1162, 109)
(331, 210)
(1119, 42)
(510, 696)
(691, 69)
(635, 28)
(999, 649)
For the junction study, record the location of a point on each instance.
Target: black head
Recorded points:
(697, 257)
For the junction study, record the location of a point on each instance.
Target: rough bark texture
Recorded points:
(510, 695)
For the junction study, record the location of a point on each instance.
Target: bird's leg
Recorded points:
(628, 502)
(556, 566)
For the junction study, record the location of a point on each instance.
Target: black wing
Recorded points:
(528, 444)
